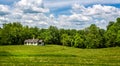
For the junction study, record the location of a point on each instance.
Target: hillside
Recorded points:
(55, 55)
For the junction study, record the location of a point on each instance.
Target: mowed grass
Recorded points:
(55, 55)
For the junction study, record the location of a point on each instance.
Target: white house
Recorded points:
(33, 42)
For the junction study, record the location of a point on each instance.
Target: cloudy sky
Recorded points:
(68, 14)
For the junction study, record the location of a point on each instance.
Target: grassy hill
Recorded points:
(54, 55)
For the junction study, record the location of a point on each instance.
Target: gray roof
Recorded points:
(33, 40)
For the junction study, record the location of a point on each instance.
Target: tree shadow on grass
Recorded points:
(55, 55)
(5, 53)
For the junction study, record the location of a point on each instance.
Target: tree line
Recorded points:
(90, 37)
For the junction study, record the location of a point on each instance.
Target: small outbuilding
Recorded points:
(34, 42)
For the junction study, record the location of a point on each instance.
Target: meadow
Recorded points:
(55, 55)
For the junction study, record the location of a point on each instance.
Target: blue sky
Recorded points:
(69, 14)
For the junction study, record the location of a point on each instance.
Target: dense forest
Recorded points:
(90, 37)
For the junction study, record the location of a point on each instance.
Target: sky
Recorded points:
(68, 14)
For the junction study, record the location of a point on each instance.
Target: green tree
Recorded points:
(55, 34)
(93, 38)
(79, 41)
(11, 33)
(46, 36)
(111, 35)
(118, 39)
(110, 24)
(66, 40)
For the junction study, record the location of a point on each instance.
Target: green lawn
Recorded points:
(54, 55)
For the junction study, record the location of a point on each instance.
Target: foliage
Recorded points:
(79, 41)
(90, 37)
(65, 40)
(112, 34)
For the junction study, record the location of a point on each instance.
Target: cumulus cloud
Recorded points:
(28, 12)
(31, 6)
(33, 13)
(63, 3)
(97, 14)
(4, 10)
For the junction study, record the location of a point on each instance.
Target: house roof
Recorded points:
(33, 40)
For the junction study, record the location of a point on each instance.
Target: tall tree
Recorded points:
(55, 34)
(112, 34)
(66, 40)
(11, 33)
(93, 37)
(79, 41)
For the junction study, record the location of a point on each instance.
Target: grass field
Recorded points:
(54, 55)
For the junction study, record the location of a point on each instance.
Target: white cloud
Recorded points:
(79, 17)
(31, 6)
(4, 10)
(63, 3)
(33, 13)
(28, 12)
(84, 16)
